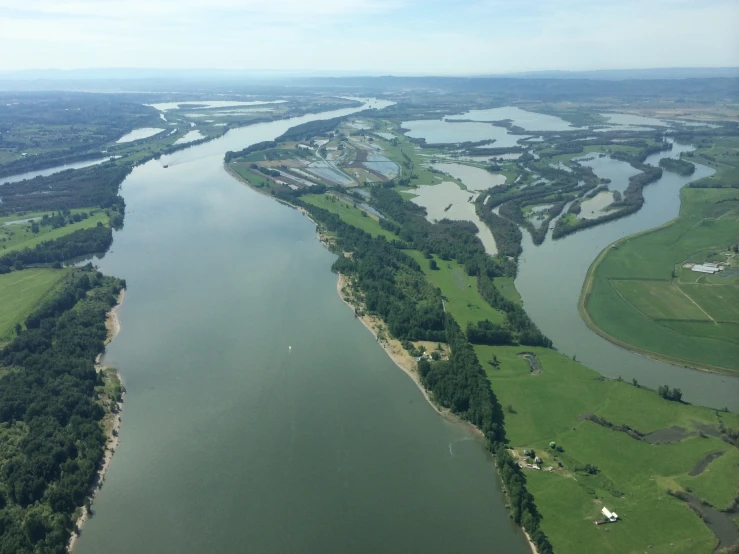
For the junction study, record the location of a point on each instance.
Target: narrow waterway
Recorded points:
(261, 416)
(550, 278)
(50, 171)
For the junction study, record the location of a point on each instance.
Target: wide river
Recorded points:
(234, 442)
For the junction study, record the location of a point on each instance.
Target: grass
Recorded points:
(717, 483)
(252, 177)
(701, 345)
(720, 302)
(20, 292)
(659, 299)
(459, 290)
(633, 475)
(349, 213)
(20, 236)
(636, 318)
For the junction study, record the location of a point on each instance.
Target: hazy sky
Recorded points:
(386, 36)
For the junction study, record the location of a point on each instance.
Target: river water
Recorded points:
(563, 264)
(261, 416)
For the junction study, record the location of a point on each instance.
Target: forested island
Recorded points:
(682, 167)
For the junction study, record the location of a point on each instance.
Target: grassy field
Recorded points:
(20, 236)
(639, 295)
(459, 290)
(720, 302)
(349, 213)
(717, 483)
(659, 299)
(633, 475)
(20, 292)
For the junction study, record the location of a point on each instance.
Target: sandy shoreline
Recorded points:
(392, 348)
(111, 423)
(408, 365)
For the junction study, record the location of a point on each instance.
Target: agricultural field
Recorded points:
(659, 300)
(643, 293)
(20, 292)
(631, 475)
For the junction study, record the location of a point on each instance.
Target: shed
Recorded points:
(704, 269)
(610, 516)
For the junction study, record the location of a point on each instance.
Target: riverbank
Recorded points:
(111, 421)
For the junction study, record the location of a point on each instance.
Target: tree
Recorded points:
(433, 266)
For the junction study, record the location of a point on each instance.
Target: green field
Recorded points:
(349, 214)
(639, 295)
(20, 292)
(459, 291)
(659, 300)
(633, 475)
(717, 483)
(20, 236)
(721, 302)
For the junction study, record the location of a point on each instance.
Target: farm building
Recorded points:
(610, 516)
(706, 268)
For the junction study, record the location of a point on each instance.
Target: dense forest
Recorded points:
(51, 437)
(95, 186)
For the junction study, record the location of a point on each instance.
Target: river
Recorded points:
(564, 263)
(260, 415)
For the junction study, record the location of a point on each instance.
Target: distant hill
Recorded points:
(626, 74)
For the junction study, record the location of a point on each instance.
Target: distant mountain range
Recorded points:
(628, 74)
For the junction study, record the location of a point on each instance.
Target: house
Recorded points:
(610, 516)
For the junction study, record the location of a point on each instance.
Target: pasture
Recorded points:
(20, 292)
(632, 475)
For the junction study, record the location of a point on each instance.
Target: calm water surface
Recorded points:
(138, 134)
(232, 442)
(531, 121)
(447, 201)
(50, 170)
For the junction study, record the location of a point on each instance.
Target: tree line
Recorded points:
(51, 438)
(78, 243)
(74, 188)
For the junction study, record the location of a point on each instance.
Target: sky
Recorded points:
(399, 37)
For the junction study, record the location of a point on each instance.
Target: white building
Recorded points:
(705, 268)
(610, 516)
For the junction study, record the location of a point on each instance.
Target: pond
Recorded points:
(139, 134)
(473, 178)
(447, 200)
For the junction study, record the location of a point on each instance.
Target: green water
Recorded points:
(233, 442)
